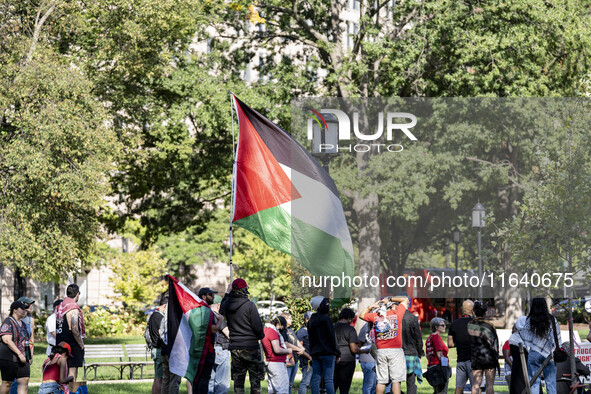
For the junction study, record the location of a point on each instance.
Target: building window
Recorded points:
(352, 30)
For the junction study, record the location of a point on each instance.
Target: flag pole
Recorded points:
(232, 201)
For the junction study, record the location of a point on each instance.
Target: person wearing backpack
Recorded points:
(155, 343)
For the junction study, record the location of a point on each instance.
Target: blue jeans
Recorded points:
(49, 388)
(220, 376)
(291, 373)
(370, 379)
(322, 367)
(534, 362)
(306, 377)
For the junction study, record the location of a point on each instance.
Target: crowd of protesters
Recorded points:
(388, 347)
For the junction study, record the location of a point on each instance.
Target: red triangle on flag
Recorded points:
(261, 183)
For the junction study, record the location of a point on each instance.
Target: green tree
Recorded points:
(433, 48)
(266, 270)
(551, 231)
(56, 152)
(138, 277)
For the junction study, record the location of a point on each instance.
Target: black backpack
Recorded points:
(147, 335)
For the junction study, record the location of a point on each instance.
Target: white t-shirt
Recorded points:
(50, 327)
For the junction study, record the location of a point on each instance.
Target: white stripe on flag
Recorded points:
(319, 207)
(179, 355)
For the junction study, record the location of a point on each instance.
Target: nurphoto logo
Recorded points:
(342, 124)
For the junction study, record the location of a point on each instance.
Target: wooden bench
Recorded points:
(127, 358)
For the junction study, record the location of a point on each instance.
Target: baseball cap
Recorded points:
(67, 347)
(18, 304)
(57, 302)
(26, 300)
(239, 284)
(206, 290)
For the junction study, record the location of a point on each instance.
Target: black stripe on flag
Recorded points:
(286, 150)
(174, 315)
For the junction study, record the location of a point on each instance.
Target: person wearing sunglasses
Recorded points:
(15, 358)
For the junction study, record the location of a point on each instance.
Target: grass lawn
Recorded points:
(109, 373)
(424, 388)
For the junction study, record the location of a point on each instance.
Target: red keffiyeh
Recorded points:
(67, 305)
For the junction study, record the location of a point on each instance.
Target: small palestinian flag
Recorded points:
(188, 323)
(283, 196)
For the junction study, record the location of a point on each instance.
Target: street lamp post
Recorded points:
(325, 142)
(456, 239)
(478, 213)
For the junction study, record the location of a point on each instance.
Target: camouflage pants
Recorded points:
(243, 361)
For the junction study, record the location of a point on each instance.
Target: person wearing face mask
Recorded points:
(323, 345)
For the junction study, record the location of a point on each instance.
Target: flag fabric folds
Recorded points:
(189, 321)
(283, 196)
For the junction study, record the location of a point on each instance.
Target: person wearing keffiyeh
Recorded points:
(70, 328)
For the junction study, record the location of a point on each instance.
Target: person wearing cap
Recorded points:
(70, 328)
(323, 345)
(50, 328)
(219, 382)
(458, 337)
(28, 321)
(55, 370)
(387, 325)
(201, 383)
(305, 365)
(246, 330)
(14, 358)
(157, 344)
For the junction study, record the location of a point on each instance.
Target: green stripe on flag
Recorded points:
(272, 225)
(318, 251)
(198, 323)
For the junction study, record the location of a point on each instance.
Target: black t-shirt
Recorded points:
(19, 336)
(459, 331)
(302, 335)
(154, 329)
(345, 335)
(220, 338)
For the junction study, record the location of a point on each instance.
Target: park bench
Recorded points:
(139, 356)
(127, 358)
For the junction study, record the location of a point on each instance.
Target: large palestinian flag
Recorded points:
(283, 196)
(189, 319)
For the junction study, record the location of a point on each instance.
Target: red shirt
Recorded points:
(272, 335)
(388, 329)
(52, 372)
(433, 345)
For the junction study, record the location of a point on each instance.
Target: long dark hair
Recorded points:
(539, 317)
(58, 350)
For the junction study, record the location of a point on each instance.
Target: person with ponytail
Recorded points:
(55, 370)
